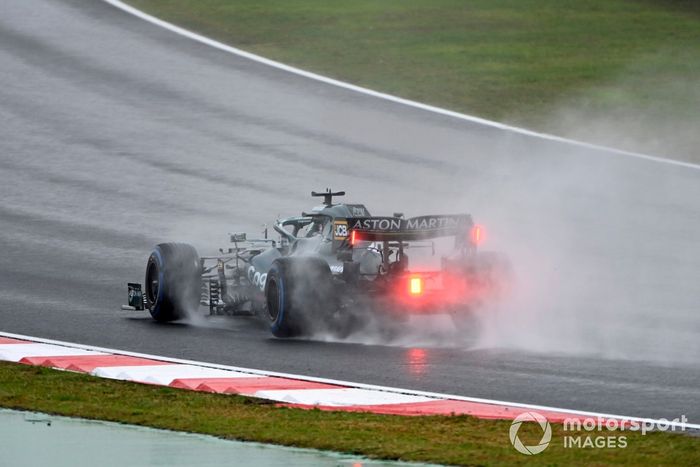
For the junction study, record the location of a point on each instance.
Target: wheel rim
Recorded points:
(152, 283)
(273, 300)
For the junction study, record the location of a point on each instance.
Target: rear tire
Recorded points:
(298, 294)
(173, 281)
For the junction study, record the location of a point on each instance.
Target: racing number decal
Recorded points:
(340, 230)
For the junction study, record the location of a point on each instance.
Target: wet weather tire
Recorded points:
(173, 281)
(298, 293)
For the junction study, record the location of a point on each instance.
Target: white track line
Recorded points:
(692, 426)
(324, 79)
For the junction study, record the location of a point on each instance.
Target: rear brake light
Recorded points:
(352, 238)
(415, 286)
(477, 234)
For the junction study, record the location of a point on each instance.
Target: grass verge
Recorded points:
(506, 60)
(447, 440)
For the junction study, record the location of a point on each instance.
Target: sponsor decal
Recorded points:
(377, 223)
(423, 223)
(430, 223)
(340, 229)
(258, 280)
(358, 210)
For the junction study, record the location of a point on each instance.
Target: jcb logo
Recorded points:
(341, 230)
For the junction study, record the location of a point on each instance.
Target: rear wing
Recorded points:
(412, 229)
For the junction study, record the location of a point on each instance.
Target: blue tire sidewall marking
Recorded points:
(161, 280)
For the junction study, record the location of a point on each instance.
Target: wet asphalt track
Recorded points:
(115, 135)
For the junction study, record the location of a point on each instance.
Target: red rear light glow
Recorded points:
(477, 234)
(415, 286)
(352, 238)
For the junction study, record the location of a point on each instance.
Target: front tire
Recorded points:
(298, 292)
(173, 281)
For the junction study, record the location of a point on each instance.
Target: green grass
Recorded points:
(512, 60)
(448, 440)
